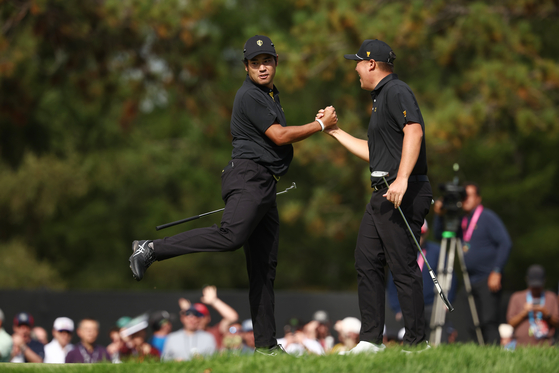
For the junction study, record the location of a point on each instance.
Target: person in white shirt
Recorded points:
(58, 348)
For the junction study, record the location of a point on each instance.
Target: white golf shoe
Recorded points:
(365, 348)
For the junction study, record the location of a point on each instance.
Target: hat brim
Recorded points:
(535, 283)
(254, 54)
(353, 57)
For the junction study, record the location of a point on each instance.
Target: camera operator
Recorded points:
(486, 246)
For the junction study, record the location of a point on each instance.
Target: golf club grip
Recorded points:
(163, 226)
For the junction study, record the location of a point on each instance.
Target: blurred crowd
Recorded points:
(150, 336)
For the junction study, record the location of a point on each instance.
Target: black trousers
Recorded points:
(384, 239)
(487, 307)
(250, 219)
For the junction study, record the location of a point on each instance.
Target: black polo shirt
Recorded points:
(255, 109)
(394, 105)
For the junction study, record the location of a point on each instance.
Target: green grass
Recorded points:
(448, 358)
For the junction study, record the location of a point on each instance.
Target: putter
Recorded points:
(383, 174)
(163, 226)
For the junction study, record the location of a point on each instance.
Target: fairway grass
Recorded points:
(447, 358)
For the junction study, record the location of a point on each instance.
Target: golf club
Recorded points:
(383, 174)
(163, 226)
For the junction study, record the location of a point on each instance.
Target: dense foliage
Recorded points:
(114, 118)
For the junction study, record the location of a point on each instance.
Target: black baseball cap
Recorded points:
(373, 49)
(535, 277)
(259, 44)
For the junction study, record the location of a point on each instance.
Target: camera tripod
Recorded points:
(438, 314)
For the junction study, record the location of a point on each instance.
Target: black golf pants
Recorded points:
(250, 220)
(384, 239)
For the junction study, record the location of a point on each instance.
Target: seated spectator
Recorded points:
(161, 325)
(227, 313)
(25, 349)
(248, 335)
(296, 343)
(348, 334)
(58, 348)
(135, 331)
(233, 340)
(506, 332)
(86, 351)
(190, 341)
(6, 343)
(323, 330)
(534, 312)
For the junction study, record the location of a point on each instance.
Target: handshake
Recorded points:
(327, 119)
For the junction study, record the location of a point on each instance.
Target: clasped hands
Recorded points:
(328, 117)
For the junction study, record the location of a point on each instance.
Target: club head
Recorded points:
(379, 174)
(293, 185)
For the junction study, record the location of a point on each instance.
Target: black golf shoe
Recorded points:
(142, 257)
(273, 351)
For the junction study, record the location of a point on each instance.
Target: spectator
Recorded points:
(87, 351)
(161, 325)
(233, 342)
(296, 343)
(190, 341)
(506, 332)
(6, 343)
(25, 349)
(431, 250)
(39, 333)
(227, 313)
(135, 331)
(348, 334)
(58, 348)
(248, 334)
(486, 246)
(323, 330)
(534, 312)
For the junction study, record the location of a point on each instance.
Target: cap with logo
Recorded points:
(535, 277)
(373, 49)
(259, 44)
(23, 318)
(63, 324)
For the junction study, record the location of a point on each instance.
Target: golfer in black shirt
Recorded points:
(262, 152)
(395, 144)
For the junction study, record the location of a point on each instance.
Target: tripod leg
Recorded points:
(438, 307)
(471, 301)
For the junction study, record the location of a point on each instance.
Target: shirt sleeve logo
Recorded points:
(405, 114)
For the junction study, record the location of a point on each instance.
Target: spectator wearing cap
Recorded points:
(135, 332)
(87, 351)
(534, 312)
(6, 343)
(248, 334)
(58, 348)
(227, 313)
(322, 330)
(348, 334)
(25, 349)
(431, 250)
(190, 341)
(161, 325)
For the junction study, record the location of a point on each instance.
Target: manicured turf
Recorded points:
(449, 358)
